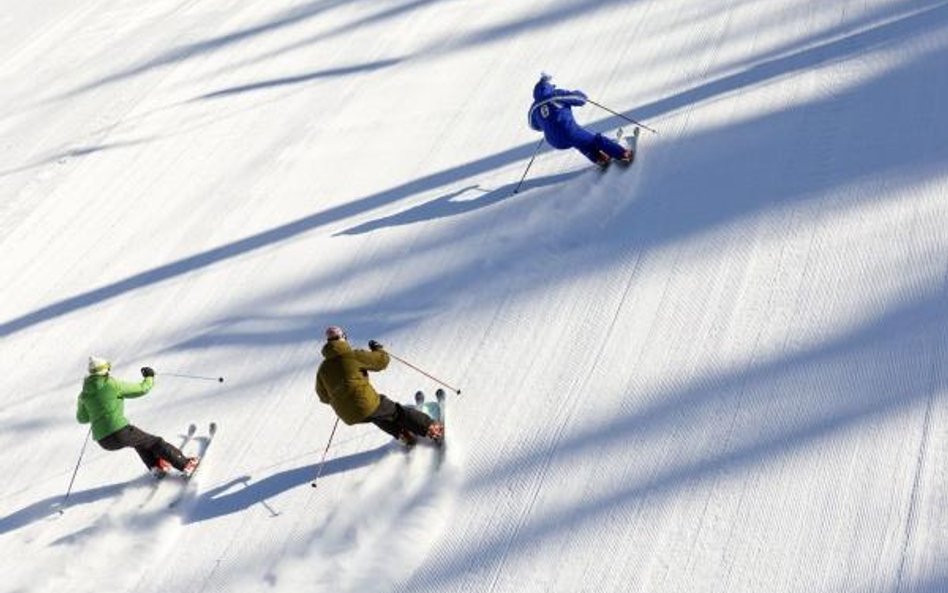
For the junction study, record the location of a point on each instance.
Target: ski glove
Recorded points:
(373, 346)
(148, 372)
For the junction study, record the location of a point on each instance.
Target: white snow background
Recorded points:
(721, 370)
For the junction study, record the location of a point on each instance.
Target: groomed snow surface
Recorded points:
(721, 370)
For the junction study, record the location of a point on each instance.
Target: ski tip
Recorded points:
(192, 428)
(419, 397)
(212, 428)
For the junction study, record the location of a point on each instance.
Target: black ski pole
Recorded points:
(322, 463)
(62, 504)
(199, 377)
(405, 362)
(535, 151)
(616, 113)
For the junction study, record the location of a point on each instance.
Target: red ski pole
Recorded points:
(433, 378)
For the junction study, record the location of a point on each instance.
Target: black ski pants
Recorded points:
(148, 446)
(393, 418)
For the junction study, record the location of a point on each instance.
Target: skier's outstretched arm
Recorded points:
(575, 98)
(375, 360)
(129, 390)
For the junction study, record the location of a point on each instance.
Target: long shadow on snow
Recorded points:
(301, 78)
(702, 155)
(868, 132)
(313, 10)
(228, 498)
(45, 508)
(71, 154)
(767, 178)
(935, 584)
(257, 241)
(761, 395)
(893, 32)
(387, 13)
(181, 53)
(450, 204)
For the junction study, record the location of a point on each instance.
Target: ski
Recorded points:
(441, 396)
(432, 409)
(203, 444)
(192, 430)
(159, 476)
(632, 142)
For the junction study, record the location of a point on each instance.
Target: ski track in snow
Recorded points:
(113, 549)
(721, 370)
(378, 535)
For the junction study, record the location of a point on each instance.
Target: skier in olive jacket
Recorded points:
(342, 382)
(102, 403)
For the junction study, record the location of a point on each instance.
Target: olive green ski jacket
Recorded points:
(342, 380)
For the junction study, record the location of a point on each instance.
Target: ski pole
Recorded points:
(405, 362)
(535, 151)
(322, 463)
(199, 377)
(628, 119)
(62, 504)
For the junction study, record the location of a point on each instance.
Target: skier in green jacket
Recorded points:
(102, 403)
(342, 382)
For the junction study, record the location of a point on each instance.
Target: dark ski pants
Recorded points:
(149, 447)
(393, 418)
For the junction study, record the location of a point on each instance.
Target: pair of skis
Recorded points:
(436, 411)
(202, 444)
(631, 142)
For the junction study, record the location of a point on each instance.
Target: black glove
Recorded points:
(148, 372)
(373, 346)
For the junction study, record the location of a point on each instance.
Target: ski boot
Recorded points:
(436, 432)
(603, 160)
(190, 467)
(160, 469)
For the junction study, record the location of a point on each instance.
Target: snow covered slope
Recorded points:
(723, 369)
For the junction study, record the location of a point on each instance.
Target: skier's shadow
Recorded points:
(48, 507)
(459, 202)
(227, 499)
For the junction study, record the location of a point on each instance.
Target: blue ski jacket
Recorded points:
(552, 114)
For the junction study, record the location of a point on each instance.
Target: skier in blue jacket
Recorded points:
(551, 113)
